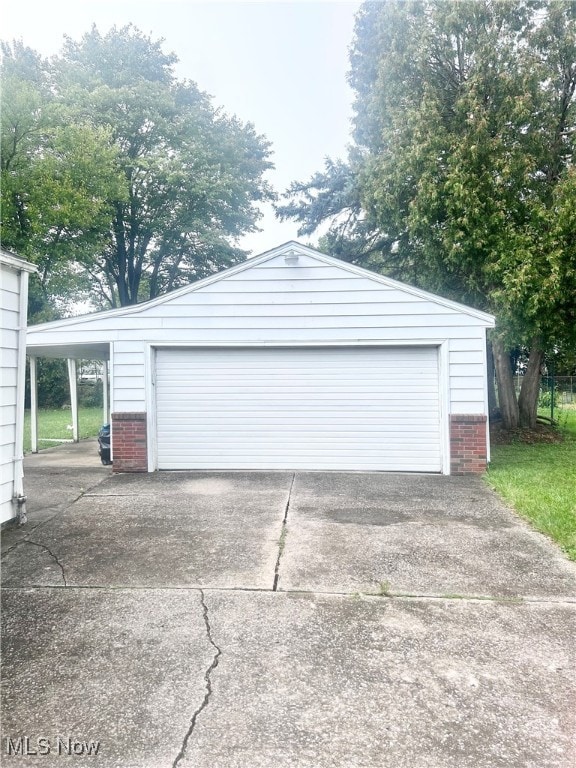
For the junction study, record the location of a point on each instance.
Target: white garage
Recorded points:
(291, 360)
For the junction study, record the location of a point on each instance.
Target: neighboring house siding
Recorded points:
(10, 291)
(13, 285)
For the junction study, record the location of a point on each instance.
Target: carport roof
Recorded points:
(94, 351)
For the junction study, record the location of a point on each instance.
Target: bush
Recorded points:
(53, 390)
(90, 393)
(545, 398)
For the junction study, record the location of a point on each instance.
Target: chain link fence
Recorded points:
(556, 393)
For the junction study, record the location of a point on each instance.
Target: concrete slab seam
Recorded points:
(282, 541)
(27, 528)
(207, 679)
(397, 596)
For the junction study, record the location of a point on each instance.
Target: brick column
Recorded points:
(129, 442)
(468, 450)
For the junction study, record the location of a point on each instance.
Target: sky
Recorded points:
(280, 65)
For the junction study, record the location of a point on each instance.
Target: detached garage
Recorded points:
(292, 360)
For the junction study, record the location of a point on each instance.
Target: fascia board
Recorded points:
(15, 262)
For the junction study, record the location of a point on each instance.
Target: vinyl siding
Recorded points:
(9, 319)
(310, 303)
(129, 391)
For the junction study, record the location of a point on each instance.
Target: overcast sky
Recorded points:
(279, 65)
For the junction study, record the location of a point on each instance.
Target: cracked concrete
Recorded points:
(283, 534)
(418, 534)
(52, 555)
(55, 478)
(187, 636)
(388, 683)
(208, 680)
(115, 666)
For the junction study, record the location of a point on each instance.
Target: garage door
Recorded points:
(338, 408)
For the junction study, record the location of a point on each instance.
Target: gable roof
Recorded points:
(292, 246)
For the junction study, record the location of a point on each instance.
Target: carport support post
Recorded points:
(33, 406)
(106, 418)
(73, 397)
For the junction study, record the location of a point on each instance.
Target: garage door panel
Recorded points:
(300, 429)
(250, 441)
(338, 408)
(277, 401)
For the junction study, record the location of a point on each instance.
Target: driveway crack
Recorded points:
(282, 541)
(52, 555)
(207, 680)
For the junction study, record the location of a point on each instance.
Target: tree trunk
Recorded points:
(505, 379)
(530, 389)
(492, 400)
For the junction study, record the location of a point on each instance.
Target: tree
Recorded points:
(191, 173)
(464, 128)
(154, 185)
(56, 176)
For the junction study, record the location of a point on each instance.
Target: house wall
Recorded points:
(13, 295)
(308, 303)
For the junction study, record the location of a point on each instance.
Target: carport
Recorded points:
(72, 353)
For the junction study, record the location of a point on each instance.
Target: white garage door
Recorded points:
(315, 408)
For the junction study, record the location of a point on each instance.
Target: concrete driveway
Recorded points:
(275, 620)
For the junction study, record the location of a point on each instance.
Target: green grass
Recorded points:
(53, 424)
(539, 482)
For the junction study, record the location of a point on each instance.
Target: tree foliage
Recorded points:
(56, 176)
(118, 176)
(462, 166)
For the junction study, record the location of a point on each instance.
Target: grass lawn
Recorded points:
(539, 481)
(54, 424)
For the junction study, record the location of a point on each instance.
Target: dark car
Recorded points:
(104, 445)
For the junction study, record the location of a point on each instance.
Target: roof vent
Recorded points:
(291, 257)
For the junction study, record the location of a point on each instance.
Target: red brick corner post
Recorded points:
(468, 449)
(129, 442)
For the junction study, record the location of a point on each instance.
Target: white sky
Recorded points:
(279, 65)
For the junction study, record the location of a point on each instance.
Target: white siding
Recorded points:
(12, 282)
(8, 389)
(129, 391)
(467, 372)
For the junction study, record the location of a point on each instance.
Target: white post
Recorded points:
(33, 406)
(73, 398)
(105, 391)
